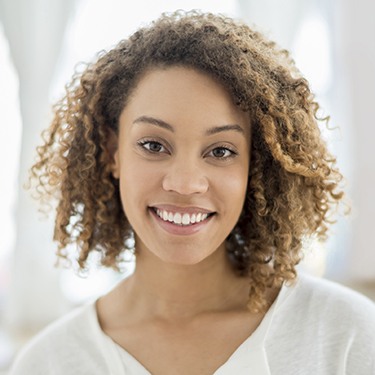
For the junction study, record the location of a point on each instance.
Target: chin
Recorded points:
(186, 257)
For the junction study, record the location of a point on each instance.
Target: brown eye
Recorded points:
(222, 152)
(153, 146)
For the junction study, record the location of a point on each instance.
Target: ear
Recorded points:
(112, 147)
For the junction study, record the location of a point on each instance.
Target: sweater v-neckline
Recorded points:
(249, 355)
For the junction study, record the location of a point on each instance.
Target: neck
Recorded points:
(178, 291)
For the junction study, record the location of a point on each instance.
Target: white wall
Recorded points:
(356, 59)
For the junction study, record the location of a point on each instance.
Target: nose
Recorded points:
(185, 177)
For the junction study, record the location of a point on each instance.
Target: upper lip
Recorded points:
(183, 210)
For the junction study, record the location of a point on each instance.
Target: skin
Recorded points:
(184, 300)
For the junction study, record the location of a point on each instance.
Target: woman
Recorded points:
(198, 139)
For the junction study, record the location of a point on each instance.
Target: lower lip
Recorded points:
(182, 230)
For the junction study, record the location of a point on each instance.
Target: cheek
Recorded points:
(235, 184)
(137, 181)
(238, 185)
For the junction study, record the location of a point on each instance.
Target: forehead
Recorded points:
(180, 94)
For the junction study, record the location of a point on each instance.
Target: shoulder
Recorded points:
(334, 308)
(330, 299)
(68, 342)
(329, 327)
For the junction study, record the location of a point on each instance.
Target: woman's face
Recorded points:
(182, 161)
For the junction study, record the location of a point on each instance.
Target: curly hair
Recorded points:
(293, 182)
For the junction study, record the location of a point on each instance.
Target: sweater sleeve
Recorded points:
(360, 359)
(67, 346)
(323, 328)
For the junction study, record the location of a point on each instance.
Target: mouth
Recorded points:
(182, 219)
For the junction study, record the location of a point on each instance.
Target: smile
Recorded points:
(181, 218)
(181, 223)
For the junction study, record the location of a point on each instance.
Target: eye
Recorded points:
(152, 146)
(222, 153)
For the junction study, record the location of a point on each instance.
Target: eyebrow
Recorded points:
(154, 121)
(210, 131)
(224, 128)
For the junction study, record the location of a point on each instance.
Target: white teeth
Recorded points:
(177, 218)
(181, 219)
(185, 219)
(165, 215)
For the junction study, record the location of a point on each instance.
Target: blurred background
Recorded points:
(41, 41)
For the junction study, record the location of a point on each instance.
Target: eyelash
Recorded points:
(145, 142)
(231, 155)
